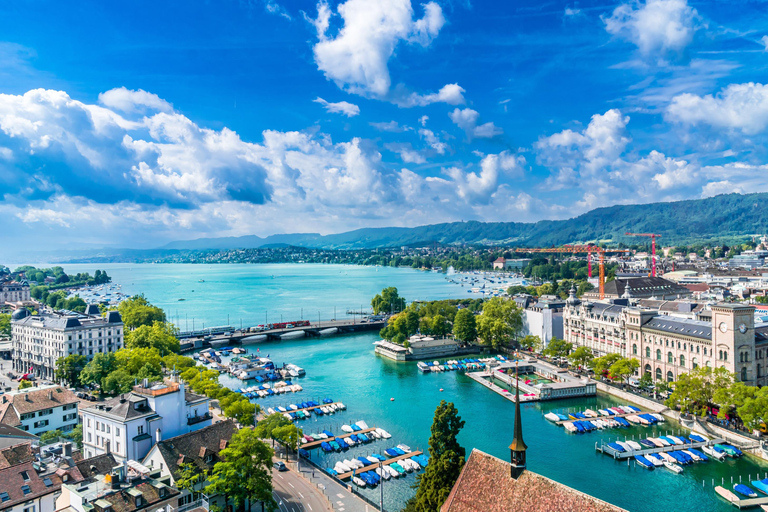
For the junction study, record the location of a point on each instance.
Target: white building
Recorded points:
(128, 425)
(40, 340)
(38, 410)
(542, 317)
(13, 291)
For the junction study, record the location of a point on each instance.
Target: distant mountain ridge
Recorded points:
(680, 222)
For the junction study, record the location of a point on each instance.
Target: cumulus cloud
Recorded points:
(390, 126)
(357, 57)
(466, 119)
(764, 40)
(342, 107)
(407, 154)
(433, 141)
(480, 186)
(742, 107)
(130, 101)
(657, 27)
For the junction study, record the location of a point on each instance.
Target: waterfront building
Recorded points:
(510, 264)
(542, 317)
(641, 288)
(489, 483)
(200, 449)
(422, 347)
(40, 409)
(668, 343)
(128, 425)
(40, 340)
(130, 487)
(13, 292)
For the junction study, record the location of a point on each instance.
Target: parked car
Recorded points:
(280, 466)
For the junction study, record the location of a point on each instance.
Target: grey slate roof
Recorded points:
(644, 286)
(98, 465)
(122, 407)
(193, 447)
(69, 321)
(682, 326)
(610, 310)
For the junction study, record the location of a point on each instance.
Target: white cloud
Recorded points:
(273, 7)
(656, 27)
(423, 120)
(390, 126)
(433, 141)
(342, 107)
(466, 119)
(764, 40)
(571, 12)
(130, 101)
(716, 188)
(407, 154)
(357, 57)
(742, 107)
(479, 187)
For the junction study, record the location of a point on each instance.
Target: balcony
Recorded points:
(193, 420)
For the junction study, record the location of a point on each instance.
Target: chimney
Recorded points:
(67, 449)
(158, 435)
(50, 395)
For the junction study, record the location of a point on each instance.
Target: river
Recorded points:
(345, 368)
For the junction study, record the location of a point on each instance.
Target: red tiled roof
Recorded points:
(485, 485)
(698, 287)
(15, 484)
(16, 454)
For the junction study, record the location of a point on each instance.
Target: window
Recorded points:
(720, 354)
(107, 429)
(682, 360)
(658, 373)
(97, 425)
(695, 363)
(658, 354)
(46, 412)
(140, 429)
(670, 358)
(670, 377)
(117, 431)
(117, 447)
(98, 440)
(25, 489)
(4, 497)
(24, 476)
(89, 437)
(725, 355)
(27, 416)
(648, 352)
(634, 349)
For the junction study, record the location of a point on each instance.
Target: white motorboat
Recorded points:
(358, 482)
(668, 458)
(363, 425)
(373, 460)
(714, 454)
(552, 416)
(656, 461)
(692, 455)
(675, 468)
(383, 433)
(341, 406)
(383, 473)
(676, 439)
(392, 471)
(635, 445)
(347, 429)
(570, 427)
(350, 441)
(664, 442)
(625, 446)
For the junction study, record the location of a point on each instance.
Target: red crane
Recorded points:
(653, 237)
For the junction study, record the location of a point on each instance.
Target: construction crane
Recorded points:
(574, 249)
(653, 237)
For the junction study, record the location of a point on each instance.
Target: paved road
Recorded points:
(294, 494)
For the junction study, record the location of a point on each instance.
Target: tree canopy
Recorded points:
(557, 347)
(388, 301)
(695, 390)
(465, 325)
(159, 335)
(500, 321)
(68, 368)
(581, 357)
(137, 311)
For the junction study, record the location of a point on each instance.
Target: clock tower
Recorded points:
(733, 340)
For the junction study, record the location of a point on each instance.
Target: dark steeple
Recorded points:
(518, 446)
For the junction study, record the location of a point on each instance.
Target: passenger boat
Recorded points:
(643, 462)
(744, 490)
(673, 467)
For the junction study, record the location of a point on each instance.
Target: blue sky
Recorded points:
(135, 124)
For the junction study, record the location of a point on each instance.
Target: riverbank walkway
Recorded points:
(479, 378)
(315, 444)
(372, 467)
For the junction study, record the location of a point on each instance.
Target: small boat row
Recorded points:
(301, 411)
(583, 426)
(373, 477)
(266, 389)
(674, 460)
(602, 413)
(338, 444)
(660, 442)
(461, 365)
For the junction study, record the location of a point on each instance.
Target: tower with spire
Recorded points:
(518, 447)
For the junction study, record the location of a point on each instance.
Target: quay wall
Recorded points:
(639, 400)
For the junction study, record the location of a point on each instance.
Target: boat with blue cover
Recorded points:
(326, 447)
(616, 447)
(744, 490)
(329, 434)
(391, 452)
(342, 444)
(697, 438)
(643, 462)
(731, 451)
(696, 452)
(335, 446)
(761, 485)
(377, 456)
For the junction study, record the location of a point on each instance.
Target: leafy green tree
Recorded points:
(581, 357)
(412, 321)
(24, 384)
(557, 347)
(465, 326)
(602, 364)
(388, 301)
(242, 411)
(159, 335)
(695, 390)
(118, 381)
(5, 326)
(289, 436)
(265, 428)
(137, 311)
(50, 436)
(439, 326)
(584, 287)
(98, 368)
(754, 411)
(180, 363)
(499, 322)
(446, 458)
(530, 342)
(646, 380)
(244, 475)
(132, 360)
(190, 477)
(623, 368)
(732, 397)
(68, 368)
(76, 435)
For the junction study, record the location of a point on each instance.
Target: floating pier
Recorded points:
(604, 448)
(734, 500)
(612, 416)
(371, 467)
(315, 444)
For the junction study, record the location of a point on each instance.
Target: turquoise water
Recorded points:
(346, 369)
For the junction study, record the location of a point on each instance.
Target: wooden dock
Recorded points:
(604, 448)
(387, 462)
(315, 444)
(734, 500)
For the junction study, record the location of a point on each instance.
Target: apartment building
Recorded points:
(40, 409)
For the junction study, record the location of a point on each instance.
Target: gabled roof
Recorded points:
(191, 448)
(33, 400)
(98, 465)
(485, 485)
(21, 489)
(17, 454)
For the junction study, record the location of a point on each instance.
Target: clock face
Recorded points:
(723, 327)
(742, 328)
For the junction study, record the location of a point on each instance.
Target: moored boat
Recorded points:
(744, 490)
(643, 462)
(675, 468)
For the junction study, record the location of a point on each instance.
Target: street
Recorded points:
(294, 494)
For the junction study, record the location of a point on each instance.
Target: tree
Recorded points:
(646, 380)
(732, 397)
(132, 360)
(245, 473)
(118, 381)
(265, 428)
(446, 458)
(623, 368)
(388, 301)
(177, 362)
(530, 342)
(439, 326)
(190, 476)
(412, 321)
(754, 411)
(159, 335)
(581, 357)
(98, 368)
(24, 384)
(500, 320)
(76, 435)
(464, 326)
(68, 368)
(602, 364)
(5, 326)
(695, 390)
(243, 411)
(50, 436)
(557, 347)
(288, 435)
(137, 311)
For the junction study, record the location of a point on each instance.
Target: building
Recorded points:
(14, 291)
(487, 483)
(128, 425)
(641, 288)
(10, 436)
(422, 347)
(129, 487)
(668, 343)
(40, 340)
(542, 317)
(749, 259)
(40, 409)
(200, 449)
(510, 264)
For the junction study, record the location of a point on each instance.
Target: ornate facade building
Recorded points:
(667, 345)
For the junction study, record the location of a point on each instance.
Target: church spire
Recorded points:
(518, 446)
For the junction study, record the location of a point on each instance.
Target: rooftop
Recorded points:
(685, 326)
(60, 320)
(28, 400)
(192, 448)
(16, 489)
